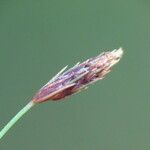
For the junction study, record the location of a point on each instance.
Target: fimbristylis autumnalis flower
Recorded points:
(71, 81)
(78, 77)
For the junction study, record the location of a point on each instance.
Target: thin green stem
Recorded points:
(16, 118)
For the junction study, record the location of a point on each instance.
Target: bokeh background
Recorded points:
(39, 37)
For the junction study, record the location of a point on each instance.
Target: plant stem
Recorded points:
(16, 118)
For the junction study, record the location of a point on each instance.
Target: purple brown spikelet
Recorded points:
(78, 77)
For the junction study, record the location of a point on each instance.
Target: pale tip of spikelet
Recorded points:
(118, 52)
(116, 55)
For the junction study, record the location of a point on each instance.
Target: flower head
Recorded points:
(78, 77)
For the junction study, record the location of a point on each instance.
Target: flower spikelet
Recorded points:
(78, 77)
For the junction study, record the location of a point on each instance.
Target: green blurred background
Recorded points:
(39, 37)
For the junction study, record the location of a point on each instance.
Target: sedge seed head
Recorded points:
(78, 77)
